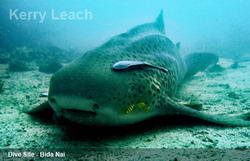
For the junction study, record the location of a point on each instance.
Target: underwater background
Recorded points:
(218, 26)
(32, 49)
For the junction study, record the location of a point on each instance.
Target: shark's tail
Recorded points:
(197, 62)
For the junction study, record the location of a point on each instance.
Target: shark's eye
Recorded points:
(96, 106)
(53, 100)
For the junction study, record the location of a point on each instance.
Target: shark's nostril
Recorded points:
(53, 100)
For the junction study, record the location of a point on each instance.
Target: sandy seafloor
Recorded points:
(226, 92)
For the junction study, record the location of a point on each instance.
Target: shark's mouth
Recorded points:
(76, 112)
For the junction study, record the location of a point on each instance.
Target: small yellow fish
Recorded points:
(141, 106)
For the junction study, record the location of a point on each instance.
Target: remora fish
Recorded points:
(132, 77)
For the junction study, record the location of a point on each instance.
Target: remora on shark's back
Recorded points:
(131, 78)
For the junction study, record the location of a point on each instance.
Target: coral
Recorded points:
(48, 59)
(233, 95)
(4, 57)
(4, 71)
(1, 85)
(18, 66)
(23, 54)
(50, 67)
(235, 65)
(43, 55)
(216, 68)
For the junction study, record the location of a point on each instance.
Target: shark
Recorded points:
(132, 77)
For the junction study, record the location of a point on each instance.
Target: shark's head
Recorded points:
(93, 92)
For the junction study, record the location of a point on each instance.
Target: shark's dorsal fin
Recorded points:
(138, 32)
(159, 22)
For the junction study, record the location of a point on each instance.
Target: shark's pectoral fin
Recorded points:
(41, 113)
(180, 109)
(42, 108)
(45, 113)
(131, 65)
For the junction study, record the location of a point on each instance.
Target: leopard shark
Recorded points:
(132, 77)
